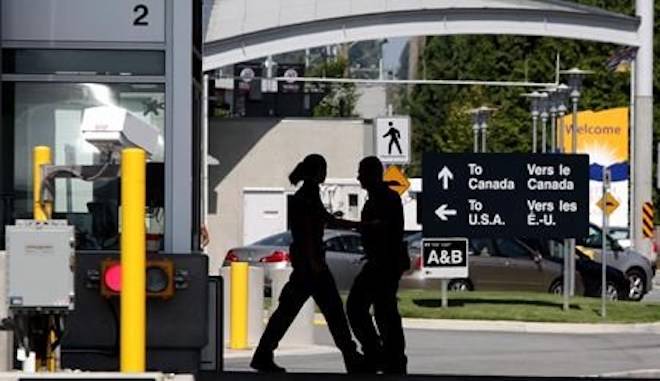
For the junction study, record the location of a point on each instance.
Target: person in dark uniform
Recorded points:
(310, 276)
(378, 282)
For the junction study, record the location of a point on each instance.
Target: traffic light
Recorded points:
(159, 278)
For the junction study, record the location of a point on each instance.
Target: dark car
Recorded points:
(494, 265)
(618, 285)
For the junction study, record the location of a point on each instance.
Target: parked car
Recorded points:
(494, 264)
(617, 284)
(344, 255)
(621, 234)
(634, 265)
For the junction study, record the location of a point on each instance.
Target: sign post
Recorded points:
(608, 204)
(445, 259)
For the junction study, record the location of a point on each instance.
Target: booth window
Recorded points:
(50, 114)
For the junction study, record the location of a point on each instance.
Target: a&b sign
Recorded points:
(445, 258)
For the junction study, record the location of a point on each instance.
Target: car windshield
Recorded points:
(282, 239)
(619, 233)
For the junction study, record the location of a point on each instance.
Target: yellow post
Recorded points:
(40, 156)
(133, 261)
(238, 336)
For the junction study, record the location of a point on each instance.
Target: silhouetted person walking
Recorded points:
(378, 282)
(394, 135)
(310, 276)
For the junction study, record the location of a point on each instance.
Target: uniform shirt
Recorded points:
(382, 230)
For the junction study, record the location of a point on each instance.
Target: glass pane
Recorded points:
(50, 114)
(511, 248)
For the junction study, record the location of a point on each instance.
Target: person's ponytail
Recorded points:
(297, 174)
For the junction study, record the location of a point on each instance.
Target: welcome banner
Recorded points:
(604, 136)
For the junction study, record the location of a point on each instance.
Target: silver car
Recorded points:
(637, 267)
(343, 250)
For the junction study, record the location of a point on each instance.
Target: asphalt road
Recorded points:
(497, 353)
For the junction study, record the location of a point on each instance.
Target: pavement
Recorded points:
(504, 348)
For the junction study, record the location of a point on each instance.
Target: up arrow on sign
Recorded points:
(445, 175)
(442, 212)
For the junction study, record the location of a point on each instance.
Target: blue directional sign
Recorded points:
(505, 195)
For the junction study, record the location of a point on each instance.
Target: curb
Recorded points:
(290, 351)
(521, 327)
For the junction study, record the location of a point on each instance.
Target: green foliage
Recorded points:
(341, 99)
(439, 115)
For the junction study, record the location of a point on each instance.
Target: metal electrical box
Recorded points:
(39, 264)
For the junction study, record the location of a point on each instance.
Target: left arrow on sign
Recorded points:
(442, 212)
(445, 175)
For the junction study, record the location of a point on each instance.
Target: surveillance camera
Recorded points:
(112, 128)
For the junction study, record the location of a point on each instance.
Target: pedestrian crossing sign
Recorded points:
(392, 139)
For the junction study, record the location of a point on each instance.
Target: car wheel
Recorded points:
(460, 285)
(612, 293)
(557, 287)
(637, 285)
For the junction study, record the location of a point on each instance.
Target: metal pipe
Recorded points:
(133, 261)
(544, 133)
(553, 131)
(412, 81)
(204, 153)
(534, 123)
(484, 127)
(41, 210)
(475, 130)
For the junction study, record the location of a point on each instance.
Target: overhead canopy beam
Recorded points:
(595, 26)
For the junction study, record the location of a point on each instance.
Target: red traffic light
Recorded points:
(159, 278)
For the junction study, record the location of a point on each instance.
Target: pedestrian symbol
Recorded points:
(392, 139)
(394, 135)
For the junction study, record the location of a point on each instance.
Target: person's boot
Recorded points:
(262, 361)
(355, 362)
(397, 365)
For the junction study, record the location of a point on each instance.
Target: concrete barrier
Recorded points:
(301, 331)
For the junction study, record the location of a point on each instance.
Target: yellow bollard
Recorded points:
(238, 336)
(40, 156)
(133, 261)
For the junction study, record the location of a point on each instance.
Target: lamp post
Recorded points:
(575, 77)
(561, 95)
(475, 129)
(535, 109)
(480, 117)
(552, 110)
(544, 104)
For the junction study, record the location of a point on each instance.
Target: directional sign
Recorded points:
(392, 139)
(397, 181)
(505, 195)
(608, 203)
(445, 258)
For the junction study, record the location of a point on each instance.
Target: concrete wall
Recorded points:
(261, 152)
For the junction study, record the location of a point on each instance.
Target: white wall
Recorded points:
(261, 152)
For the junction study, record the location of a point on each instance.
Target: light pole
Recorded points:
(560, 98)
(552, 109)
(480, 117)
(475, 129)
(535, 107)
(544, 103)
(575, 77)
(486, 112)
